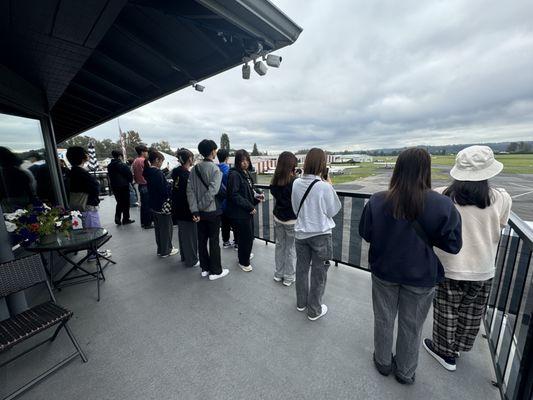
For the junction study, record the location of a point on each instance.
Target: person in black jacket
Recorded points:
(181, 212)
(284, 217)
(241, 201)
(402, 225)
(120, 178)
(159, 192)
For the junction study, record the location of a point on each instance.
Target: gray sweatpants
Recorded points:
(412, 304)
(285, 251)
(188, 241)
(312, 254)
(163, 232)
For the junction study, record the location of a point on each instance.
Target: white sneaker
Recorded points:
(225, 271)
(173, 252)
(301, 308)
(204, 274)
(246, 269)
(324, 311)
(287, 283)
(228, 245)
(196, 265)
(277, 279)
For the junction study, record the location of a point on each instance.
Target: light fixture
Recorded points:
(246, 71)
(197, 86)
(260, 67)
(273, 60)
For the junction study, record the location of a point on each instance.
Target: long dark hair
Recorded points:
(410, 181)
(240, 156)
(315, 162)
(153, 155)
(467, 193)
(285, 168)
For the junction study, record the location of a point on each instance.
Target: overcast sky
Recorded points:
(367, 74)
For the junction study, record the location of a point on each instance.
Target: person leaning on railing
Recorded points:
(315, 203)
(461, 299)
(402, 225)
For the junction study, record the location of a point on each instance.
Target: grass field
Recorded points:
(513, 164)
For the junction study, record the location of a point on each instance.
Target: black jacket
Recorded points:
(180, 204)
(240, 195)
(397, 253)
(283, 207)
(158, 188)
(119, 174)
(81, 181)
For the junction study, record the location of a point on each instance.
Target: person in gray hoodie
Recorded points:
(202, 190)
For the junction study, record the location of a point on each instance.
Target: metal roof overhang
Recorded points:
(84, 63)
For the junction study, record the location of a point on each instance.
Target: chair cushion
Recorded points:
(30, 322)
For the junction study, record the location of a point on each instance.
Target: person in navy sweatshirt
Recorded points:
(159, 191)
(402, 226)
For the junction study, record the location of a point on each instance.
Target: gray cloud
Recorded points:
(367, 75)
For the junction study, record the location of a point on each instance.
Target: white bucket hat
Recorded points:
(475, 163)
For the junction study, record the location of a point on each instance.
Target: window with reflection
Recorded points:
(24, 172)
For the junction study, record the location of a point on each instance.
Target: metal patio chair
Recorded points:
(19, 275)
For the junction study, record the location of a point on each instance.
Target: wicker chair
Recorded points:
(19, 275)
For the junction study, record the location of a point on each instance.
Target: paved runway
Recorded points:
(519, 186)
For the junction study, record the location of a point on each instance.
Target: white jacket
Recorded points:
(481, 231)
(318, 209)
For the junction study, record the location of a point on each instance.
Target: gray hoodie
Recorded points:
(201, 198)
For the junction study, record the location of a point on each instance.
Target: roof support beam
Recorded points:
(107, 82)
(85, 89)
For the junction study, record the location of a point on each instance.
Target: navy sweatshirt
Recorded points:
(158, 188)
(397, 253)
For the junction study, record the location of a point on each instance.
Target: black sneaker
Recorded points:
(445, 361)
(118, 222)
(128, 221)
(384, 370)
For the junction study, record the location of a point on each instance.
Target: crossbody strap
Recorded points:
(200, 177)
(305, 195)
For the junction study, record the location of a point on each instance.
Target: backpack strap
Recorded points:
(305, 195)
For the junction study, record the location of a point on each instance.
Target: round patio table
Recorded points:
(63, 244)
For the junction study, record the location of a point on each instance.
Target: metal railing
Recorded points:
(348, 246)
(509, 317)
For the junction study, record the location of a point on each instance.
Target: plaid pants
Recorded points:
(458, 307)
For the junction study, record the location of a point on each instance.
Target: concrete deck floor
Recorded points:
(162, 332)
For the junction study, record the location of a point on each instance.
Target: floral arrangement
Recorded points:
(39, 220)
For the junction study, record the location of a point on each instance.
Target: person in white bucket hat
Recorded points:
(461, 299)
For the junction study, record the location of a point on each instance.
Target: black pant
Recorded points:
(226, 228)
(244, 229)
(146, 214)
(209, 230)
(122, 195)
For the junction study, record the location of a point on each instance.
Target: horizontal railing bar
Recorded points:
(522, 229)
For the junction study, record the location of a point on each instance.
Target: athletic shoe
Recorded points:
(204, 274)
(129, 221)
(151, 226)
(246, 268)
(301, 308)
(173, 252)
(445, 361)
(324, 311)
(277, 279)
(224, 272)
(227, 245)
(287, 283)
(118, 223)
(105, 253)
(196, 265)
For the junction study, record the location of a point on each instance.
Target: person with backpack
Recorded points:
(159, 203)
(402, 226)
(204, 184)
(181, 212)
(222, 155)
(461, 299)
(242, 199)
(284, 217)
(315, 203)
(120, 179)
